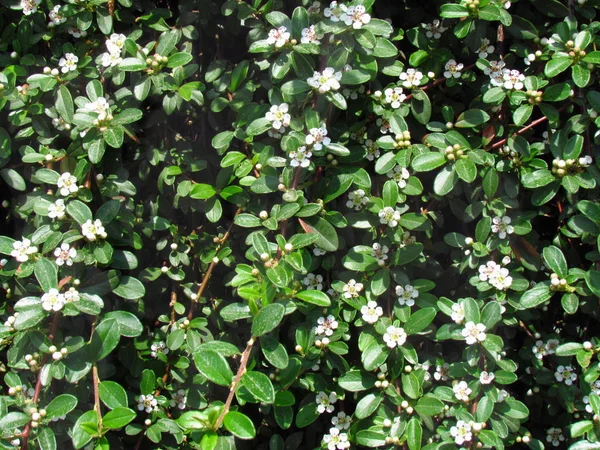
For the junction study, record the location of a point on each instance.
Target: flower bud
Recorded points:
(173, 246)
(264, 215)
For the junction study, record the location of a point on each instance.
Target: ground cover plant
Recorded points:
(299, 225)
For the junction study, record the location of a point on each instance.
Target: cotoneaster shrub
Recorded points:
(292, 225)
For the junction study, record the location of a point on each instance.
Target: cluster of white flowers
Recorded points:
(158, 347)
(312, 281)
(541, 348)
(114, 45)
(53, 300)
(486, 377)
(326, 326)
(352, 289)
(501, 226)
(411, 78)
(357, 199)
(400, 175)
(336, 440)
(372, 149)
(72, 295)
(462, 391)
(280, 118)
(57, 209)
(555, 436)
(300, 157)
(67, 184)
(406, 295)
(485, 49)
(453, 69)
(325, 402)
(93, 230)
(379, 252)
(178, 399)
(64, 254)
(389, 216)
(76, 32)
(461, 432)
(278, 37)
(565, 374)
(441, 372)
(473, 333)
(394, 336)
(30, 6)
(56, 18)
(341, 421)
(68, 63)
(22, 250)
(512, 79)
(458, 313)
(434, 29)
(147, 403)
(356, 16)
(496, 275)
(317, 137)
(328, 80)
(310, 36)
(394, 97)
(371, 312)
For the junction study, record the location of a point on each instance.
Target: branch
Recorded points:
(236, 381)
(518, 132)
(96, 381)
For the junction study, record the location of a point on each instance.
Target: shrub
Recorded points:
(299, 224)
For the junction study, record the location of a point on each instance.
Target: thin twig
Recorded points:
(96, 381)
(501, 142)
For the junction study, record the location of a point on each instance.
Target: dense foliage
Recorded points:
(268, 224)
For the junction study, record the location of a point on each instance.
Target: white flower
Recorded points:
(76, 32)
(310, 36)
(372, 149)
(485, 49)
(380, 252)
(352, 289)
(371, 312)
(178, 398)
(389, 216)
(56, 18)
(22, 250)
(551, 345)
(65, 254)
(453, 69)
(458, 313)
(384, 126)
(441, 372)
(53, 300)
(312, 281)
(147, 403)
(336, 12)
(495, 275)
(473, 333)
(407, 239)
(315, 8)
(99, 106)
(462, 391)
(585, 161)
(317, 137)
(60, 124)
(394, 97)
(68, 63)
(158, 347)
(279, 117)
(278, 37)
(318, 251)
(406, 295)
(539, 349)
(67, 184)
(57, 209)
(565, 374)
(513, 79)
(115, 44)
(357, 16)
(400, 175)
(495, 72)
(72, 295)
(486, 377)
(30, 6)
(336, 440)
(110, 59)
(326, 325)
(325, 402)
(93, 230)
(357, 199)
(341, 421)
(300, 157)
(394, 336)
(434, 29)
(328, 80)
(506, 4)
(461, 432)
(555, 436)
(501, 226)
(411, 78)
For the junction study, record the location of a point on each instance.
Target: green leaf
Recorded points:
(355, 77)
(64, 103)
(557, 65)
(466, 170)
(445, 180)
(259, 385)
(267, 319)
(132, 65)
(555, 260)
(275, 353)
(46, 274)
(539, 294)
(179, 59)
(213, 366)
(414, 433)
(314, 297)
(79, 211)
(130, 288)
(112, 394)
(472, 118)
(118, 417)
(327, 237)
(537, 179)
(13, 420)
(239, 425)
(80, 436)
(581, 75)
(522, 114)
(46, 439)
(356, 381)
(419, 320)
(450, 11)
(127, 116)
(429, 406)
(592, 279)
(258, 126)
(104, 340)
(557, 92)
(108, 211)
(60, 405)
(367, 405)
(13, 179)
(426, 162)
